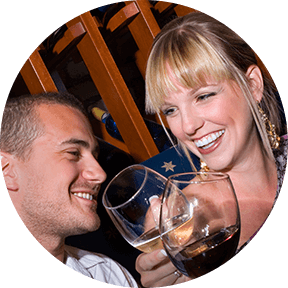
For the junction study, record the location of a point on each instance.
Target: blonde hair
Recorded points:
(195, 47)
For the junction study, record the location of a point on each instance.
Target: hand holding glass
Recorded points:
(199, 221)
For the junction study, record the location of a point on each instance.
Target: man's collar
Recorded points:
(85, 258)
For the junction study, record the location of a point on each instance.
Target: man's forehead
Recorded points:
(54, 108)
(68, 124)
(62, 116)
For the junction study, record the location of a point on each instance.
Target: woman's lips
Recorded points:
(210, 142)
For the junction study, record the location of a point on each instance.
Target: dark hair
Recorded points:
(21, 124)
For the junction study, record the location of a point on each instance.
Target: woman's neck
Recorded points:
(255, 188)
(260, 172)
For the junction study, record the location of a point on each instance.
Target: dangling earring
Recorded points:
(204, 166)
(274, 139)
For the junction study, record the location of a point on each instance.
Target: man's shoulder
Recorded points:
(98, 266)
(87, 258)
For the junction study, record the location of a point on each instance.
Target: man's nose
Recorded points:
(92, 171)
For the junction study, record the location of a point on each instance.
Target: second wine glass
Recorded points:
(199, 221)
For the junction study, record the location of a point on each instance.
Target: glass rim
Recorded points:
(223, 176)
(136, 192)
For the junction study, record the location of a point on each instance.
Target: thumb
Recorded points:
(155, 204)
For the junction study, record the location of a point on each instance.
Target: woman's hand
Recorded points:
(157, 270)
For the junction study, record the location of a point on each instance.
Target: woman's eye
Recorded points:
(169, 111)
(205, 96)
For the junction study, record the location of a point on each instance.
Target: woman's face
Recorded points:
(214, 121)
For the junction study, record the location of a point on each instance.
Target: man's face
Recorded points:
(59, 183)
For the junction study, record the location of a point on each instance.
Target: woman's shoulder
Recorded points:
(280, 156)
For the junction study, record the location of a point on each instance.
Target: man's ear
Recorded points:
(8, 163)
(255, 78)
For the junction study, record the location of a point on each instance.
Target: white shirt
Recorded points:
(98, 267)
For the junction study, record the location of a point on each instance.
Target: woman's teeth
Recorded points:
(208, 141)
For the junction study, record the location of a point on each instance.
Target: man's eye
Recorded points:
(95, 155)
(75, 153)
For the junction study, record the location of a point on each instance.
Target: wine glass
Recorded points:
(199, 221)
(127, 201)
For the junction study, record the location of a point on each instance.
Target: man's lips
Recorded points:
(84, 195)
(82, 192)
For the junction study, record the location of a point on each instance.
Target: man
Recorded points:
(49, 154)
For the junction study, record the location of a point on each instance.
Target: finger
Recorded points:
(183, 279)
(146, 262)
(161, 275)
(157, 281)
(155, 204)
(174, 277)
(156, 272)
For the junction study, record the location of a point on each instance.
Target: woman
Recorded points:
(220, 106)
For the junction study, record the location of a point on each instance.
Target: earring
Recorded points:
(204, 167)
(274, 139)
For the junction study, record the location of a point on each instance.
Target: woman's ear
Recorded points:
(254, 75)
(9, 171)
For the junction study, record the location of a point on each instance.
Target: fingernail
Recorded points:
(153, 197)
(162, 254)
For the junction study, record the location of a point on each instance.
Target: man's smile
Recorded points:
(84, 195)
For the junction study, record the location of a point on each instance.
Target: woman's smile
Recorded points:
(214, 123)
(209, 142)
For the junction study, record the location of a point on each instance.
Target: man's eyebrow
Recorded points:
(74, 141)
(82, 143)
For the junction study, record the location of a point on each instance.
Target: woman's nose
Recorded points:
(191, 122)
(93, 171)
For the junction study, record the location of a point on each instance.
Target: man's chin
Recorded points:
(84, 229)
(93, 227)
(97, 223)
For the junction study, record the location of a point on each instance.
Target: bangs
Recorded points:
(186, 61)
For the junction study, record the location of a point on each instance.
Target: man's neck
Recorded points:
(51, 242)
(54, 245)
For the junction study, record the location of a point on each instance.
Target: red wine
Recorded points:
(207, 254)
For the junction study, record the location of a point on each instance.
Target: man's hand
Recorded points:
(157, 270)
